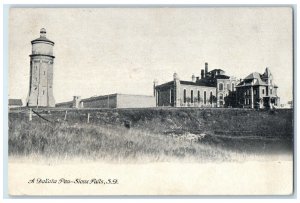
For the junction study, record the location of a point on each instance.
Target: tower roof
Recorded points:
(42, 37)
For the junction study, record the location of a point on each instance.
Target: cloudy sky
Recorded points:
(122, 50)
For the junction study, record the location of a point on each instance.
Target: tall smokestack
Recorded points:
(202, 73)
(206, 69)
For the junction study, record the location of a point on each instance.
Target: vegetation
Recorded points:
(169, 134)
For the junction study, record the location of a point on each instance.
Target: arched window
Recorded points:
(221, 96)
(192, 96)
(198, 96)
(204, 97)
(221, 86)
(184, 96)
(211, 97)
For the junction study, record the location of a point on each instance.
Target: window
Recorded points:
(198, 96)
(43, 92)
(211, 98)
(221, 86)
(263, 91)
(204, 97)
(254, 92)
(192, 96)
(228, 86)
(184, 96)
(221, 96)
(232, 86)
(270, 91)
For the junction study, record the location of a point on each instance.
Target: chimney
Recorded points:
(206, 69)
(193, 78)
(175, 76)
(197, 78)
(155, 82)
(202, 73)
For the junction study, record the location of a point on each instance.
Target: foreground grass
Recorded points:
(108, 142)
(155, 135)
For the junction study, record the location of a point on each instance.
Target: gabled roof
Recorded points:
(17, 102)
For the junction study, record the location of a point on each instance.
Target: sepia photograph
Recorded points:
(151, 101)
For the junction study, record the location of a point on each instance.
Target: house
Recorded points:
(14, 103)
(257, 91)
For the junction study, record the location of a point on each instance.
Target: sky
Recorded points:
(123, 50)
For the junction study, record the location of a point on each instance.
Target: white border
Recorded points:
(85, 3)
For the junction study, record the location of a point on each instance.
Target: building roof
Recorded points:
(253, 77)
(183, 82)
(15, 102)
(166, 84)
(187, 82)
(42, 39)
(216, 69)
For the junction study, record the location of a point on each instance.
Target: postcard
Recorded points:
(150, 101)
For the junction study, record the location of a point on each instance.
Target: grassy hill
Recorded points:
(152, 134)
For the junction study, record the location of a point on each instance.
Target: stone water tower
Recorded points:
(41, 72)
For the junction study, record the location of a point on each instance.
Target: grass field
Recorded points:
(154, 134)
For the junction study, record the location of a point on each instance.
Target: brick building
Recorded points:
(211, 90)
(224, 84)
(257, 91)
